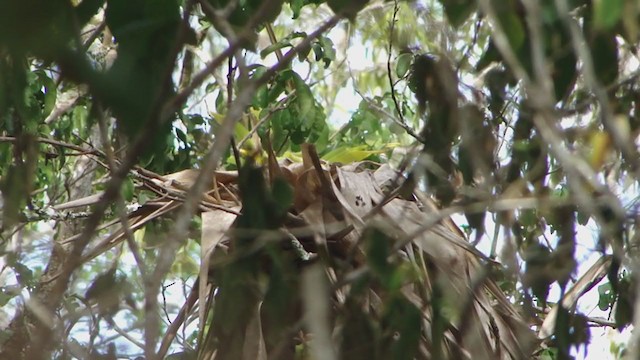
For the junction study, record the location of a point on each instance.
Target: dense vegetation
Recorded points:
(178, 181)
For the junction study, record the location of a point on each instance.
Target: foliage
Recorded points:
(146, 144)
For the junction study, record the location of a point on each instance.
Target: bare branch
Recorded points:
(392, 24)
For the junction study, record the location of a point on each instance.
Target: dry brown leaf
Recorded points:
(185, 179)
(296, 169)
(359, 190)
(351, 215)
(85, 201)
(306, 190)
(458, 264)
(254, 347)
(215, 225)
(315, 294)
(313, 216)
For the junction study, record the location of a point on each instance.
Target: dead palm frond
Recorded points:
(352, 270)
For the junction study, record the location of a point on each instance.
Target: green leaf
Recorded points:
(184, 263)
(583, 218)
(128, 189)
(145, 31)
(143, 197)
(296, 7)
(304, 102)
(604, 49)
(283, 195)
(549, 354)
(280, 297)
(405, 322)
(304, 52)
(514, 29)
(403, 64)
(528, 217)
(15, 189)
(240, 131)
(24, 274)
(271, 48)
(348, 155)
(5, 296)
(624, 312)
(87, 9)
(234, 306)
(261, 97)
(630, 21)
(328, 51)
(279, 128)
(564, 62)
(489, 56)
(50, 92)
(347, 8)
(44, 27)
(276, 89)
(318, 51)
(378, 251)
(458, 11)
(221, 104)
(181, 136)
(606, 296)
(360, 334)
(607, 13)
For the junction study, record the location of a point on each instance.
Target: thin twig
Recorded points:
(230, 82)
(392, 25)
(274, 40)
(173, 327)
(474, 41)
(265, 118)
(82, 150)
(125, 334)
(120, 204)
